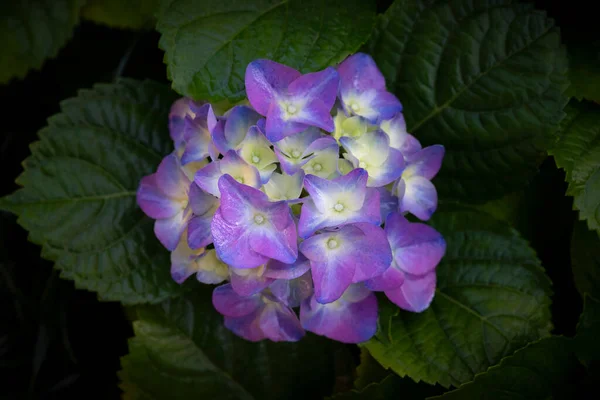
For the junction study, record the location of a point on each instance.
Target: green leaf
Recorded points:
(577, 151)
(584, 70)
(369, 370)
(585, 259)
(492, 298)
(182, 350)
(485, 79)
(537, 371)
(33, 31)
(208, 44)
(588, 329)
(79, 184)
(132, 14)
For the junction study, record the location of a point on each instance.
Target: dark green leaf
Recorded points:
(492, 298)
(485, 79)
(584, 70)
(534, 372)
(588, 330)
(32, 31)
(368, 371)
(577, 151)
(78, 196)
(133, 14)
(585, 259)
(208, 44)
(182, 350)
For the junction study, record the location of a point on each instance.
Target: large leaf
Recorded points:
(133, 14)
(208, 44)
(483, 78)
(492, 298)
(585, 259)
(584, 70)
(182, 350)
(577, 151)
(78, 196)
(536, 372)
(32, 31)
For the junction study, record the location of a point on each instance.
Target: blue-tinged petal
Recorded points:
(217, 133)
(198, 234)
(415, 294)
(180, 108)
(346, 320)
(360, 73)
(274, 243)
(425, 163)
(201, 202)
(265, 80)
(420, 197)
(231, 304)
(388, 172)
(400, 139)
(322, 85)
(374, 255)
(249, 281)
(317, 113)
(207, 178)
(246, 327)
(232, 245)
(280, 324)
(348, 191)
(279, 270)
(170, 178)
(386, 104)
(391, 278)
(293, 292)
(169, 230)
(388, 202)
(154, 202)
(197, 139)
(240, 202)
(279, 125)
(238, 122)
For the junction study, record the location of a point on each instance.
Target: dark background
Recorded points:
(58, 341)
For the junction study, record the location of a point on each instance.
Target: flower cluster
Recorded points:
(284, 200)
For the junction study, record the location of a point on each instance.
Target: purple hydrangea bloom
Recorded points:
(248, 229)
(291, 102)
(293, 202)
(257, 317)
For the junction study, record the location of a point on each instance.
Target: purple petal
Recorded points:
(420, 197)
(418, 248)
(183, 262)
(179, 109)
(415, 294)
(392, 278)
(232, 244)
(374, 255)
(395, 128)
(197, 138)
(293, 292)
(386, 104)
(344, 321)
(323, 190)
(153, 201)
(292, 151)
(426, 163)
(388, 172)
(239, 120)
(207, 178)
(320, 85)
(278, 126)
(237, 200)
(169, 230)
(279, 270)
(217, 133)
(279, 244)
(388, 202)
(280, 324)
(247, 282)
(360, 73)
(246, 327)
(231, 304)
(264, 80)
(318, 114)
(170, 178)
(202, 202)
(198, 234)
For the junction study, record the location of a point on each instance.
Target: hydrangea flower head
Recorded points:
(295, 204)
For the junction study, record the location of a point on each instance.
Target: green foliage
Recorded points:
(588, 329)
(208, 44)
(79, 184)
(485, 79)
(577, 151)
(132, 14)
(182, 350)
(585, 259)
(534, 372)
(492, 298)
(33, 31)
(584, 70)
